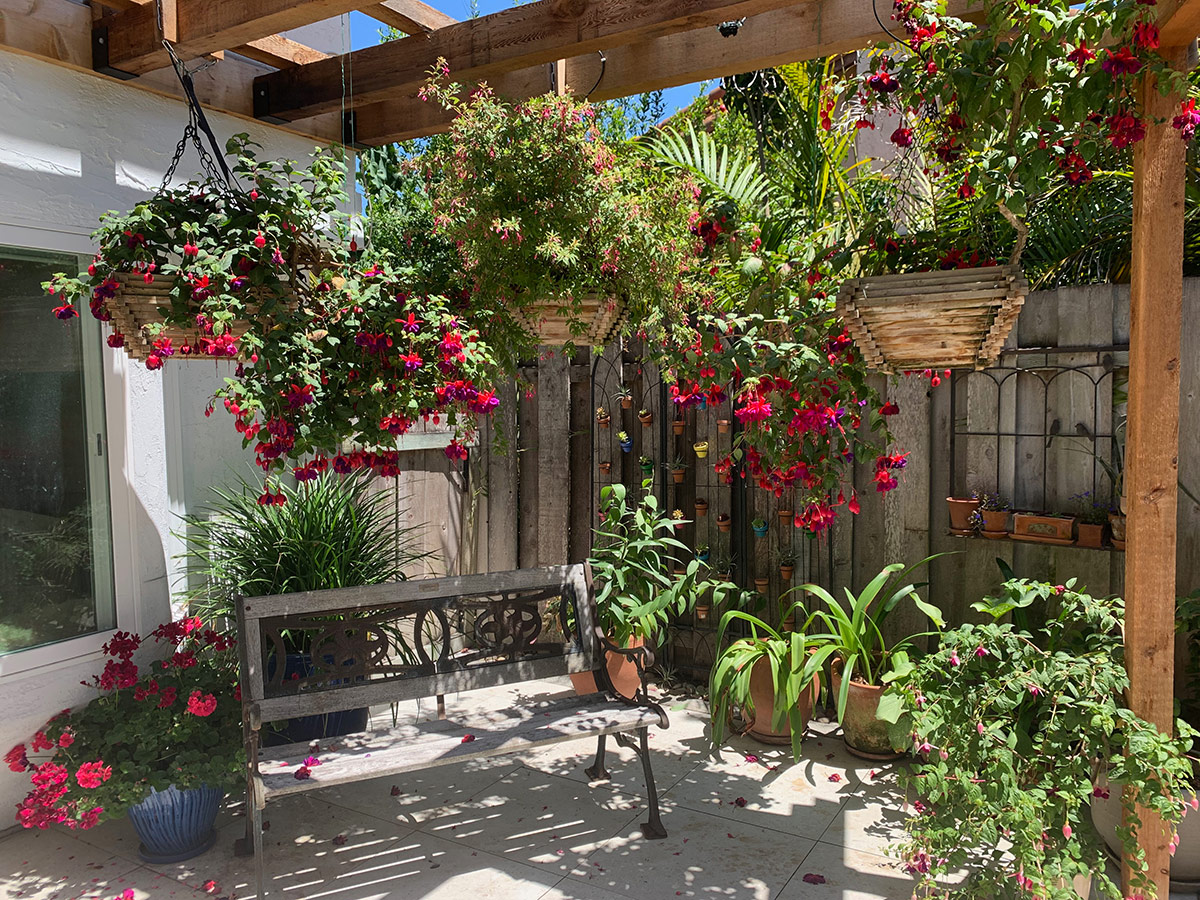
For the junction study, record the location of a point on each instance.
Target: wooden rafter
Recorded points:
(533, 34)
(410, 16)
(794, 33)
(1178, 22)
(130, 42)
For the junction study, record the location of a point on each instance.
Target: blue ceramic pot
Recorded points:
(175, 825)
(305, 729)
(760, 532)
(626, 446)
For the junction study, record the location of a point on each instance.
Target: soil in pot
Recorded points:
(865, 735)
(762, 695)
(960, 513)
(622, 672)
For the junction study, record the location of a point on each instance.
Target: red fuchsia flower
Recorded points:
(981, 651)
(1124, 129)
(411, 325)
(299, 396)
(411, 361)
(302, 773)
(1101, 792)
(1145, 35)
(66, 311)
(889, 409)
(201, 705)
(16, 759)
(1123, 62)
(456, 450)
(883, 83)
(854, 506)
(190, 249)
(116, 340)
(1075, 169)
(1081, 55)
(902, 137)
(260, 241)
(1187, 120)
(965, 191)
(860, 124)
(93, 774)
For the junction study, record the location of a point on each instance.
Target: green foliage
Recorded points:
(793, 660)
(631, 562)
(333, 532)
(1016, 731)
(855, 631)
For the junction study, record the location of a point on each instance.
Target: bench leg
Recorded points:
(653, 829)
(256, 814)
(597, 772)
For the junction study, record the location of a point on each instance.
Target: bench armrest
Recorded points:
(643, 659)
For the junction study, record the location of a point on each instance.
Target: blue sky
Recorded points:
(364, 32)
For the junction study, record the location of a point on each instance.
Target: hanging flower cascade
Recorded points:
(1028, 94)
(176, 720)
(544, 211)
(334, 348)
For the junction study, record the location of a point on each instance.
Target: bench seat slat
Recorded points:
(411, 748)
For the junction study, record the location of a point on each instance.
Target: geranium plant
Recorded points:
(1016, 730)
(174, 721)
(546, 212)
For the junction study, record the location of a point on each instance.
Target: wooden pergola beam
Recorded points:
(410, 16)
(280, 52)
(1178, 22)
(478, 49)
(791, 34)
(130, 42)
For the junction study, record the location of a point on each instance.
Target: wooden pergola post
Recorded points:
(1152, 438)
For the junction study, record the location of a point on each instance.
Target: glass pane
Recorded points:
(55, 556)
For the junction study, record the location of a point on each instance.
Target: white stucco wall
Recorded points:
(72, 146)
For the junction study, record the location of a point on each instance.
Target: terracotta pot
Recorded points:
(646, 420)
(1091, 535)
(1044, 529)
(605, 467)
(701, 507)
(724, 522)
(724, 576)
(677, 475)
(865, 735)
(723, 426)
(677, 426)
(702, 611)
(786, 572)
(1185, 864)
(626, 403)
(785, 516)
(762, 585)
(960, 512)
(605, 422)
(1116, 521)
(995, 520)
(762, 695)
(622, 671)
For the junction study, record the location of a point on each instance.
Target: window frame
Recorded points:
(110, 369)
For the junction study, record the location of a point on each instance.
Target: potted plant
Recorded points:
(702, 553)
(961, 509)
(677, 519)
(605, 467)
(762, 585)
(647, 465)
(786, 517)
(625, 441)
(724, 522)
(722, 567)
(723, 426)
(1016, 730)
(787, 565)
(677, 426)
(635, 592)
(759, 524)
(625, 397)
(1044, 528)
(1092, 518)
(162, 743)
(701, 449)
(701, 507)
(678, 470)
(865, 661)
(766, 670)
(238, 545)
(991, 516)
(646, 417)
(603, 419)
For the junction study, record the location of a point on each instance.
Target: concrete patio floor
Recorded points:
(530, 827)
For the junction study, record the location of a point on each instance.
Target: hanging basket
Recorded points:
(956, 319)
(596, 321)
(138, 303)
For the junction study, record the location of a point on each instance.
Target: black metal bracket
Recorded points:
(262, 104)
(100, 57)
(350, 131)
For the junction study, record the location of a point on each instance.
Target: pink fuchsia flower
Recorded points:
(981, 651)
(1067, 832)
(883, 83)
(979, 727)
(93, 774)
(66, 311)
(311, 761)
(954, 660)
(1187, 120)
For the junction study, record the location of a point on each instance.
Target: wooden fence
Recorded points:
(1031, 428)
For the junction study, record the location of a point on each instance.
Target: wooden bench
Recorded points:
(417, 639)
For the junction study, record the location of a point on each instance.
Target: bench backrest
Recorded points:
(412, 639)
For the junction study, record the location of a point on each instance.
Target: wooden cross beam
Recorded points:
(410, 16)
(477, 49)
(1178, 22)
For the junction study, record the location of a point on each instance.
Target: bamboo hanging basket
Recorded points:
(138, 303)
(595, 322)
(956, 319)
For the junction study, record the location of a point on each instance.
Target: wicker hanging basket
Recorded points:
(956, 319)
(552, 323)
(138, 303)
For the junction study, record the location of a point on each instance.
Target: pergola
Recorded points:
(614, 48)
